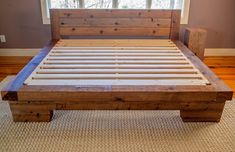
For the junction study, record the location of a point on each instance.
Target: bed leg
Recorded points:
(201, 115)
(31, 112)
(210, 113)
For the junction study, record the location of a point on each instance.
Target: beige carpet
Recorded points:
(105, 131)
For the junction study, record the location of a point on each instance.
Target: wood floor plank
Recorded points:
(224, 68)
(11, 65)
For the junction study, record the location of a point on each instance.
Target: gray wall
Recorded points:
(20, 21)
(218, 17)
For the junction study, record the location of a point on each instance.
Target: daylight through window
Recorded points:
(117, 4)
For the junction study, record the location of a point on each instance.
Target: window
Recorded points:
(120, 4)
(98, 4)
(167, 4)
(130, 4)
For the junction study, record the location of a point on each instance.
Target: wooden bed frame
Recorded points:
(97, 71)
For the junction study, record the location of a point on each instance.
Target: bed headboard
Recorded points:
(115, 22)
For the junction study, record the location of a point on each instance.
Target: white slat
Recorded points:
(115, 62)
(116, 58)
(136, 82)
(115, 54)
(117, 76)
(108, 71)
(117, 48)
(108, 66)
(115, 51)
(113, 44)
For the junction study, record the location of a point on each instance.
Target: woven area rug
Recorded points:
(125, 131)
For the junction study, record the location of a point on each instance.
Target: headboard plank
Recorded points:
(113, 13)
(115, 22)
(112, 31)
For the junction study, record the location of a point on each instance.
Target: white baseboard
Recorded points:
(19, 52)
(220, 52)
(33, 52)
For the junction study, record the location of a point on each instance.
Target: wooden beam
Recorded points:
(175, 24)
(10, 92)
(113, 31)
(113, 13)
(224, 92)
(55, 27)
(195, 40)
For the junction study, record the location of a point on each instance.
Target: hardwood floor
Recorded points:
(224, 67)
(12, 65)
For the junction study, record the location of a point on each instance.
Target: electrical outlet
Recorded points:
(3, 39)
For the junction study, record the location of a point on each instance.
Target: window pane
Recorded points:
(179, 4)
(64, 3)
(98, 3)
(167, 4)
(135, 4)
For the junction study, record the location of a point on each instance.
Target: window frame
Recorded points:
(184, 16)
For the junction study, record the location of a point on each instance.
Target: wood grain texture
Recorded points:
(31, 112)
(223, 67)
(175, 25)
(195, 40)
(114, 22)
(205, 115)
(55, 24)
(113, 31)
(10, 91)
(220, 87)
(40, 111)
(113, 13)
(11, 65)
(94, 44)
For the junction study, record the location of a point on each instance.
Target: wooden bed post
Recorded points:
(55, 24)
(26, 111)
(31, 111)
(195, 40)
(175, 25)
(211, 113)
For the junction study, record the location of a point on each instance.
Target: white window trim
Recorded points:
(185, 12)
(184, 17)
(44, 11)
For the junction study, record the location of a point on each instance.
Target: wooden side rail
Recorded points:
(195, 40)
(10, 91)
(190, 111)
